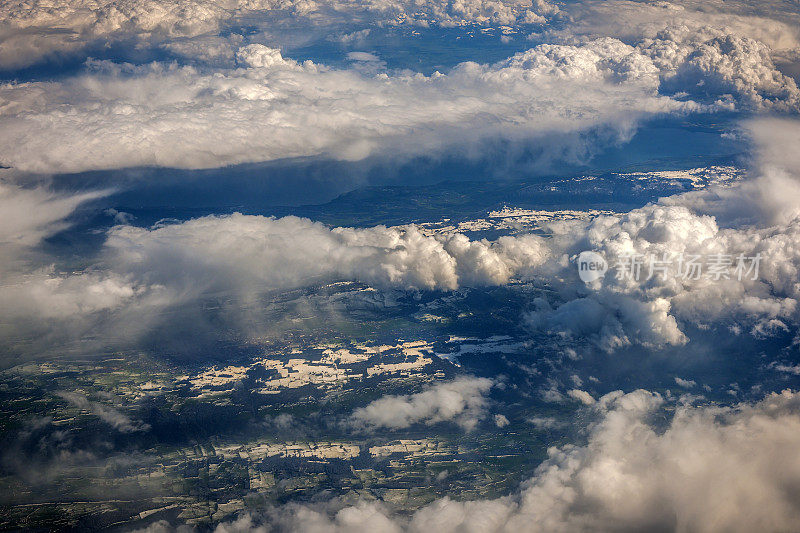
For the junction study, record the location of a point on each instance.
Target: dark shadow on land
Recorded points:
(305, 181)
(386, 190)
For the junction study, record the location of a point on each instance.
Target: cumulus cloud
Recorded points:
(142, 272)
(462, 401)
(501, 421)
(245, 256)
(29, 32)
(238, 253)
(119, 115)
(28, 35)
(716, 52)
(34, 290)
(47, 294)
(617, 62)
(259, 253)
(611, 320)
(582, 396)
(729, 225)
(773, 23)
(738, 69)
(270, 107)
(710, 469)
(619, 311)
(545, 422)
(167, 265)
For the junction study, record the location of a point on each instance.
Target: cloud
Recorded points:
(29, 214)
(615, 64)
(582, 396)
(147, 279)
(772, 23)
(715, 52)
(167, 266)
(47, 294)
(362, 56)
(462, 401)
(119, 115)
(181, 25)
(501, 421)
(611, 65)
(252, 253)
(111, 416)
(270, 107)
(620, 311)
(545, 422)
(29, 33)
(727, 66)
(754, 218)
(140, 270)
(611, 320)
(36, 293)
(711, 468)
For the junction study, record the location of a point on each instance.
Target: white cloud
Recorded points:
(725, 67)
(34, 293)
(582, 396)
(28, 214)
(255, 253)
(545, 422)
(721, 52)
(28, 34)
(28, 283)
(611, 320)
(711, 469)
(757, 216)
(501, 421)
(462, 401)
(119, 115)
(140, 273)
(362, 56)
(145, 269)
(773, 23)
(47, 294)
(270, 108)
(619, 312)
(247, 255)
